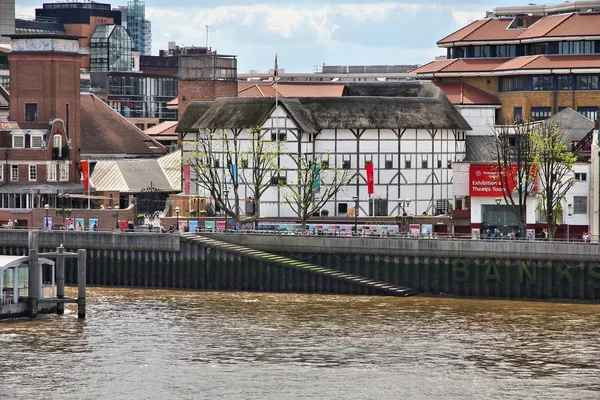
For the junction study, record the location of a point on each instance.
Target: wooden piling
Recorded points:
(33, 295)
(81, 263)
(60, 280)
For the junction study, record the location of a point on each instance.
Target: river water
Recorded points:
(147, 344)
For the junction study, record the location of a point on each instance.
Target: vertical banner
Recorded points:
(234, 174)
(316, 172)
(370, 182)
(85, 170)
(186, 179)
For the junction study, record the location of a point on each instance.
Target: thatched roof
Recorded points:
(385, 113)
(193, 112)
(413, 105)
(244, 113)
(391, 89)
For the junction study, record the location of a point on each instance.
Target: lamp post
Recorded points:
(47, 207)
(63, 197)
(569, 207)
(498, 200)
(355, 198)
(225, 204)
(116, 218)
(177, 211)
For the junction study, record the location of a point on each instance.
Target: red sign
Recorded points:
(484, 180)
(370, 182)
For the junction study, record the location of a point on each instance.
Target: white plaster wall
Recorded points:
(481, 118)
(461, 184)
(579, 188)
(427, 180)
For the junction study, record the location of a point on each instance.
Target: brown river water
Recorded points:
(151, 344)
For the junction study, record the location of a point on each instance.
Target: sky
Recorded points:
(307, 34)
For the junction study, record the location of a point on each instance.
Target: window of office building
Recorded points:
(590, 112)
(542, 82)
(564, 82)
(540, 113)
(587, 82)
(580, 176)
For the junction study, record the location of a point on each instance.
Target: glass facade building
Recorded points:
(136, 95)
(139, 27)
(110, 48)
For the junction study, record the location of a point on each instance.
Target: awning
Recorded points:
(85, 196)
(41, 188)
(13, 261)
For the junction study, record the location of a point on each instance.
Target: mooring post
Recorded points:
(81, 260)
(32, 297)
(60, 279)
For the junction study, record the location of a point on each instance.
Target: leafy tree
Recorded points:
(515, 165)
(316, 184)
(222, 161)
(555, 170)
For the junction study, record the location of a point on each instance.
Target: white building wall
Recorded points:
(418, 167)
(580, 190)
(481, 118)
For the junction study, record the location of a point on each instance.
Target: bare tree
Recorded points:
(555, 170)
(515, 165)
(316, 184)
(223, 161)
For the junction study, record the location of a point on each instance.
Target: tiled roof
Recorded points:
(164, 128)
(465, 65)
(464, 93)
(543, 26)
(292, 89)
(460, 65)
(480, 148)
(105, 131)
(496, 29)
(554, 62)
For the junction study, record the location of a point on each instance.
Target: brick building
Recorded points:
(538, 59)
(52, 127)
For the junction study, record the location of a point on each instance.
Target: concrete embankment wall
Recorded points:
(541, 270)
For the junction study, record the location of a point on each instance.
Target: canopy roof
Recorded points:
(7, 262)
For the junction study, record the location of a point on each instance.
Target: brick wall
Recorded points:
(203, 91)
(33, 219)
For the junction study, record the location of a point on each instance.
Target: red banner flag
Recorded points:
(275, 68)
(85, 170)
(370, 182)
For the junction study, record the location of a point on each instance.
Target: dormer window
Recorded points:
(57, 146)
(18, 141)
(37, 141)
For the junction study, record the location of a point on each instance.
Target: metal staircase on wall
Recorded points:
(379, 286)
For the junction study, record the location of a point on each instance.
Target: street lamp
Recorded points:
(355, 198)
(498, 201)
(177, 211)
(569, 207)
(47, 207)
(116, 217)
(225, 204)
(63, 197)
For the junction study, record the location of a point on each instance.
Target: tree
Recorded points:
(222, 161)
(555, 170)
(515, 165)
(309, 193)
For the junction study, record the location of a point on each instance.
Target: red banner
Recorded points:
(186, 179)
(85, 170)
(370, 182)
(484, 180)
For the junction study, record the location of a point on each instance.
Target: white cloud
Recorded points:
(466, 17)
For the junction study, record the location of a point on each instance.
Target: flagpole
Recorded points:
(276, 103)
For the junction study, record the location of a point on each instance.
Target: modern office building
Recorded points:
(81, 19)
(134, 19)
(537, 59)
(110, 49)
